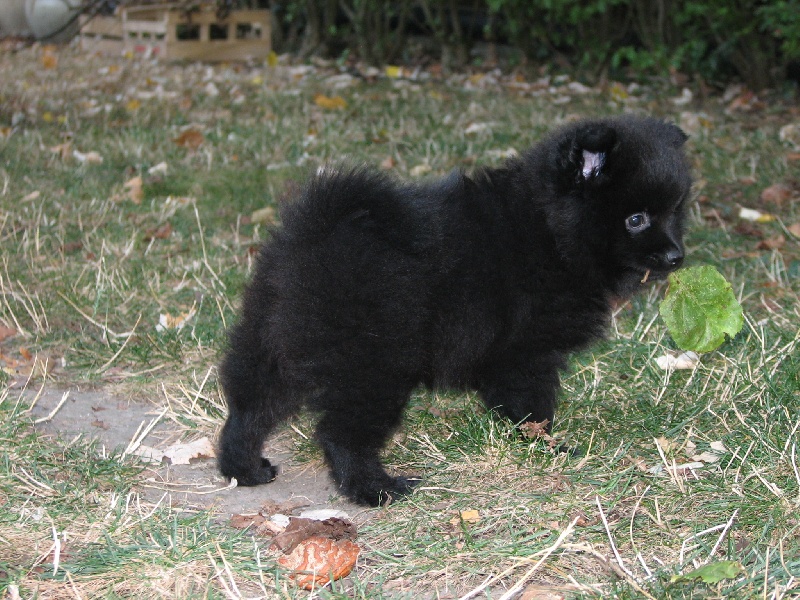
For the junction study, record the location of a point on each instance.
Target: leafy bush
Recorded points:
(716, 39)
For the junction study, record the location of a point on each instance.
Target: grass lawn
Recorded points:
(131, 197)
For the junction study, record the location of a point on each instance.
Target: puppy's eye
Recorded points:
(638, 222)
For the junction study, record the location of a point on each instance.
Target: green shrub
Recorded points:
(716, 39)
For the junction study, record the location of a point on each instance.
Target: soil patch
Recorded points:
(115, 423)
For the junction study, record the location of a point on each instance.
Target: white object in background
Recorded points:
(53, 20)
(12, 18)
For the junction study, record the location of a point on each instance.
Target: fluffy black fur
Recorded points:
(483, 282)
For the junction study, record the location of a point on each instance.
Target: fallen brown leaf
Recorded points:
(300, 529)
(6, 332)
(534, 592)
(466, 516)
(774, 243)
(287, 507)
(177, 322)
(64, 150)
(161, 232)
(134, 190)
(330, 103)
(264, 215)
(89, 158)
(49, 58)
(777, 194)
(535, 429)
(245, 521)
(182, 454)
(190, 139)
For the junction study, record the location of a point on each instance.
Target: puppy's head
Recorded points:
(623, 184)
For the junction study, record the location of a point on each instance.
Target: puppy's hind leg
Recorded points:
(524, 388)
(257, 402)
(352, 432)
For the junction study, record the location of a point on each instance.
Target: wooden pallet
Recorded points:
(163, 31)
(101, 35)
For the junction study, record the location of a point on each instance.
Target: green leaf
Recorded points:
(712, 572)
(700, 309)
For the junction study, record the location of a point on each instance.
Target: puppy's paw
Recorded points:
(264, 474)
(390, 490)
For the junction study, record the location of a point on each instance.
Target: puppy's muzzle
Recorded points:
(668, 260)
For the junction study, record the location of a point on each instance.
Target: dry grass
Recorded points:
(91, 262)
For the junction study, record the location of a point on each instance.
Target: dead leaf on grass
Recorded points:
(245, 521)
(182, 454)
(678, 360)
(538, 430)
(581, 520)
(330, 102)
(6, 332)
(266, 215)
(536, 592)
(716, 450)
(393, 72)
(300, 529)
(777, 194)
(191, 139)
(706, 457)
(420, 170)
(790, 134)
(133, 190)
(794, 229)
(287, 507)
(161, 232)
(167, 321)
(474, 128)
(665, 444)
(88, 158)
(535, 429)
(158, 170)
(471, 516)
(29, 364)
(49, 58)
(774, 243)
(64, 150)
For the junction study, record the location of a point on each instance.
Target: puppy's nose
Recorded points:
(673, 258)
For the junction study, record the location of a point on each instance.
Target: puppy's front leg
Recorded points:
(523, 387)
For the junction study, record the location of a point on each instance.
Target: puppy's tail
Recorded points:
(360, 198)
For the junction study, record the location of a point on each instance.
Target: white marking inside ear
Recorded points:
(592, 163)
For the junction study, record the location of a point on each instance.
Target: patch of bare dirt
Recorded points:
(122, 426)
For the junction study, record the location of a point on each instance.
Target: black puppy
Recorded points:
(372, 287)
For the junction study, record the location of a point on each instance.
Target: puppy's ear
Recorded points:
(675, 135)
(590, 148)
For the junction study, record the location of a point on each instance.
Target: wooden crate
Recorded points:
(101, 34)
(168, 33)
(163, 31)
